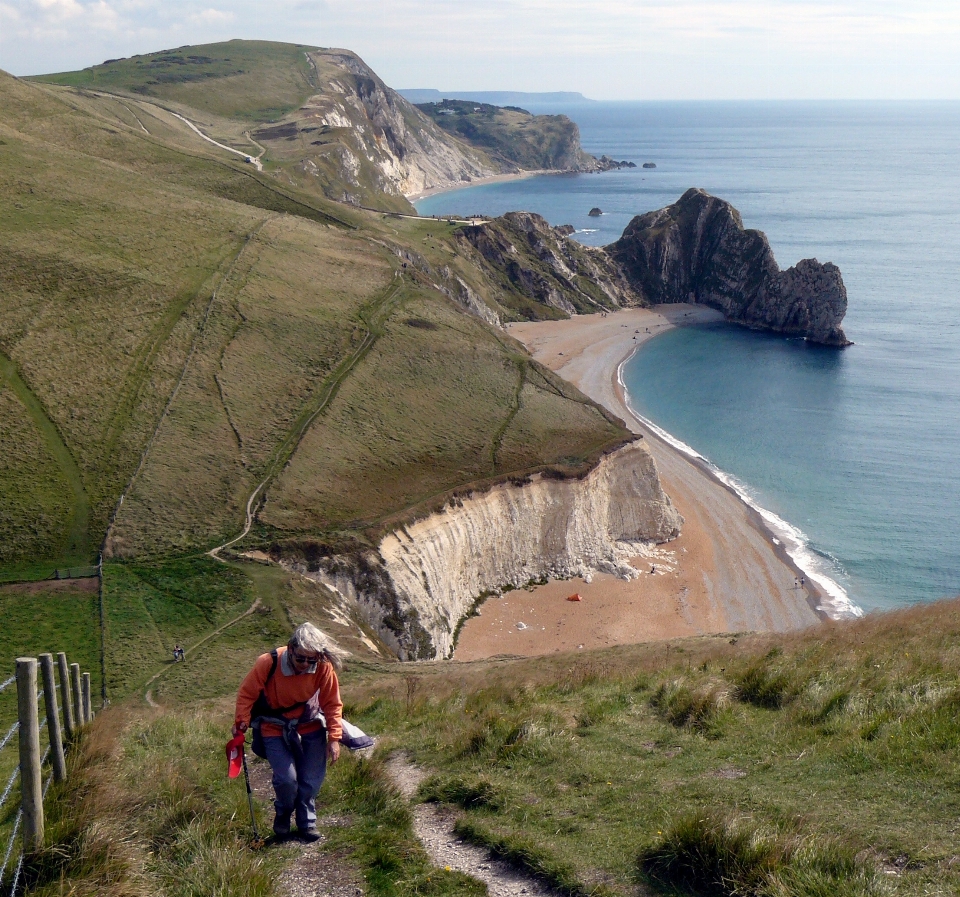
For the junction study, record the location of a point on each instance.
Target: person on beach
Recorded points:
(282, 698)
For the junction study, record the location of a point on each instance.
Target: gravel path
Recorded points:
(434, 828)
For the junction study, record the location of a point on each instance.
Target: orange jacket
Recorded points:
(284, 691)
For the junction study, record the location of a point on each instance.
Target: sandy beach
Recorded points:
(476, 182)
(724, 573)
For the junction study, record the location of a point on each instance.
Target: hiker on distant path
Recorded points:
(283, 697)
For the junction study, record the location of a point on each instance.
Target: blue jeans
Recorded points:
(296, 785)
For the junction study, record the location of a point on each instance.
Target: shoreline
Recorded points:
(727, 572)
(521, 175)
(819, 594)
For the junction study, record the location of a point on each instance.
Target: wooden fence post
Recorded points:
(65, 698)
(53, 719)
(87, 700)
(77, 695)
(30, 781)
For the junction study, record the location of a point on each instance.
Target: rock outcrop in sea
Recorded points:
(697, 250)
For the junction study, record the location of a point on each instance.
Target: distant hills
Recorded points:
(494, 97)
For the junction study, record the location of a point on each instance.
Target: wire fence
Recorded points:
(63, 720)
(87, 572)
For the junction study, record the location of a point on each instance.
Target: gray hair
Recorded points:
(307, 637)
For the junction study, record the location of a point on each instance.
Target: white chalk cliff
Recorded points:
(431, 573)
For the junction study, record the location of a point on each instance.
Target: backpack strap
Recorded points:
(262, 704)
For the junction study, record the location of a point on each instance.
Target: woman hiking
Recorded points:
(286, 698)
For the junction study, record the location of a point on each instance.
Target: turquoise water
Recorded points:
(855, 450)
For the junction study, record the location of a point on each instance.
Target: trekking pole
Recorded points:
(257, 840)
(235, 753)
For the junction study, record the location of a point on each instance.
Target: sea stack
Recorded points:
(595, 212)
(697, 250)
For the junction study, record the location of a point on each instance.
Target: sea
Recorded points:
(851, 455)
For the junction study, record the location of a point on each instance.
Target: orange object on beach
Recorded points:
(575, 597)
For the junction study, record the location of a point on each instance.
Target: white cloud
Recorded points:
(212, 17)
(606, 48)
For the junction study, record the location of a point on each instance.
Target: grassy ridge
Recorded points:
(144, 266)
(252, 80)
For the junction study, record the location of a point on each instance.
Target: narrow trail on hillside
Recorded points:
(254, 160)
(376, 317)
(148, 696)
(201, 330)
(435, 829)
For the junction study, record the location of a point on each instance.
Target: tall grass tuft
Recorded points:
(765, 685)
(469, 793)
(696, 708)
(714, 855)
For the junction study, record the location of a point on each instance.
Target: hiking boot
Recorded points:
(281, 826)
(309, 834)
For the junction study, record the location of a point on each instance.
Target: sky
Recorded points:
(605, 49)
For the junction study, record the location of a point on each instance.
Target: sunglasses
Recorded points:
(299, 658)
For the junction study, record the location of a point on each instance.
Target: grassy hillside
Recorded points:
(169, 299)
(183, 329)
(817, 764)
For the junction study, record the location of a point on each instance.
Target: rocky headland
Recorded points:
(697, 250)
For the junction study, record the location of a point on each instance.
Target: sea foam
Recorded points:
(836, 603)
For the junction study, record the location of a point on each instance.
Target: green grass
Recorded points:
(383, 448)
(381, 841)
(716, 856)
(251, 80)
(147, 809)
(149, 608)
(593, 769)
(47, 618)
(43, 618)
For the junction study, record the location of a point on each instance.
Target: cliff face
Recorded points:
(428, 575)
(560, 275)
(377, 141)
(697, 250)
(359, 141)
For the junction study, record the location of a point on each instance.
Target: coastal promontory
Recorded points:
(697, 250)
